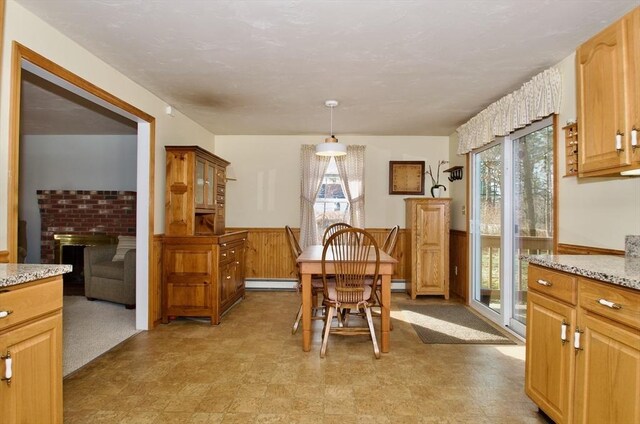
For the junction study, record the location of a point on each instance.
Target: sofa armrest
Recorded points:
(130, 273)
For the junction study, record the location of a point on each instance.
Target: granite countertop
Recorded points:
(12, 274)
(619, 270)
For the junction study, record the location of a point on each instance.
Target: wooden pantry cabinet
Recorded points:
(583, 348)
(202, 267)
(31, 351)
(608, 98)
(427, 246)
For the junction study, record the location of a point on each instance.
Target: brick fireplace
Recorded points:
(83, 212)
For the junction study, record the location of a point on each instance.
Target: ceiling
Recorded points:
(398, 67)
(47, 109)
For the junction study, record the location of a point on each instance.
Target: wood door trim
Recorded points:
(19, 53)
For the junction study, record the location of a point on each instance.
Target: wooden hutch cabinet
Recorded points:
(427, 246)
(202, 267)
(608, 97)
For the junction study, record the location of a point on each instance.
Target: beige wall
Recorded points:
(24, 27)
(596, 212)
(459, 187)
(267, 192)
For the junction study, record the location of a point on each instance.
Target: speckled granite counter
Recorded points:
(12, 274)
(619, 270)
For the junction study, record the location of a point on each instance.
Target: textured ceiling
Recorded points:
(49, 109)
(398, 67)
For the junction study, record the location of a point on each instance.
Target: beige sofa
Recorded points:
(110, 280)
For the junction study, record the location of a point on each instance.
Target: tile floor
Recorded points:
(251, 369)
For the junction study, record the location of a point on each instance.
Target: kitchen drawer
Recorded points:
(624, 305)
(30, 300)
(552, 283)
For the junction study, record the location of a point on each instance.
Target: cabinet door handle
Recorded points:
(609, 304)
(563, 331)
(576, 339)
(228, 277)
(619, 147)
(634, 138)
(224, 255)
(4, 314)
(8, 368)
(545, 283)
(233, 251)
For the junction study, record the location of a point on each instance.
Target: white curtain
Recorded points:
(536, 99)
(313, 168)
(351, 170)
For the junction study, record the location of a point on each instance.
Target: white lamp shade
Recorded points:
(331, 149)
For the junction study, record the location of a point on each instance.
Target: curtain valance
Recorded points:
(536, 99)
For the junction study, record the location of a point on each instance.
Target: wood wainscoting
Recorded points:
(458, 264)
(268, 255)
(574, 249)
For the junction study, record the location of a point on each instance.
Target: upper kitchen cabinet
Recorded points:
(608, 96)
(195, 192)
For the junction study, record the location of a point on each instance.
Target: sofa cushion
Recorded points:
(108, 269)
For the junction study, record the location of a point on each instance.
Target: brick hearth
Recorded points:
(84, 212)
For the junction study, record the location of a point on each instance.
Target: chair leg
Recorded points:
(376, 350)
(296, 323)
(327, 329)
(378, 297)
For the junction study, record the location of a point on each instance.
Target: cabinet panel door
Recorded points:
(608, 373)
(188, 277)
(35, 392)
(550, 363)
(600, 80)
(430, 248)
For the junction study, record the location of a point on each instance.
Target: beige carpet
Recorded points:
(92, 328)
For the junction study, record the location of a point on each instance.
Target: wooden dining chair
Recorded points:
(316, 282)
(348, 251)
(391, 240)
(332, 229)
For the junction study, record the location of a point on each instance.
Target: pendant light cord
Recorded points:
(331, 120)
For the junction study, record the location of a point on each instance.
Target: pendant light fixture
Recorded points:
(331, 147)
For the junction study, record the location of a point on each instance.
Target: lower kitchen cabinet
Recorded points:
(583, 348)
(31, 353)
(550, 359)
(608, 357)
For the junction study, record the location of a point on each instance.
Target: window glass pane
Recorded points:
(532, 208)
(331, 204)
(489, 201)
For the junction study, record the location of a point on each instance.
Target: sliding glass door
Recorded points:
(512, 204)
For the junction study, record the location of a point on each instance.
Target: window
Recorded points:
(331, 205)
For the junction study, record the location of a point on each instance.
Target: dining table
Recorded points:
(310, 263)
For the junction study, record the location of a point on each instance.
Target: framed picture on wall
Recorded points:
(406, 177)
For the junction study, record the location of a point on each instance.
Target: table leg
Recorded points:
(306, 312)
(385, 311)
